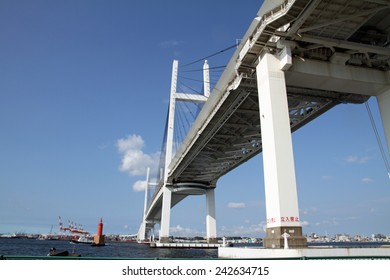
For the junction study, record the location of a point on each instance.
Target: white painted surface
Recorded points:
(278, 160)
(211, 220)
(241, 253)
(166, 212)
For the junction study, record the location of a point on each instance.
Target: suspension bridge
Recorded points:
(297, 60)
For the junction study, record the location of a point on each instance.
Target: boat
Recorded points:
(82, 239)
(54, 253)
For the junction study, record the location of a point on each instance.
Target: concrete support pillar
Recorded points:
(211, 224)
(165, 215)
(384, 108)
(279, 172)
(141, 232)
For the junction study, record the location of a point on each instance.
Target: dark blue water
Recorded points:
(33, 247)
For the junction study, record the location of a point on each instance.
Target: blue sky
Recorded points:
(84, 85)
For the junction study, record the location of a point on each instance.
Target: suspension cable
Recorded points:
(210, 68)
(180, 127)
(211, 55)
(378, 139)
(191, 79)
(188, 87)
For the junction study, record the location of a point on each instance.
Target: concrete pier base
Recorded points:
(212, 240)
(274, 239)
(302, 253)
(164, 240)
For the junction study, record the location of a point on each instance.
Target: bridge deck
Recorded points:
(340, 54)
(227, 131)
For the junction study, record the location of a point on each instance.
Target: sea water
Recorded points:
(34, 247)
(127, 250)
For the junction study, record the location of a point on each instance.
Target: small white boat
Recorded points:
(82, 239)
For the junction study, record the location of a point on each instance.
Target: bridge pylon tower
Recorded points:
(169, 188)
(184, 187)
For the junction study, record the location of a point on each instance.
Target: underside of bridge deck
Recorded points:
(330, 52)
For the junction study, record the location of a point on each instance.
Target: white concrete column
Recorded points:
(171, 119)
(279, 172)
(142, 230)
(384, 108)
(211, 221)
(167, 193)
(206, 79)
(146, 192)
(165, 215)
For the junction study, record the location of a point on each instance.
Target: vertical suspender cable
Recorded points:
(378, 139)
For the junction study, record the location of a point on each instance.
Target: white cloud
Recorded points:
(134, 160)
(236, 205)
(335, 221)
(178, 230)
(132, 142)
(327, 177)
(356, 159)
(351, 159)
(310, 211)
(139, 186)
(254, 230)
(305, 223)
(169, 44)
(367, 180)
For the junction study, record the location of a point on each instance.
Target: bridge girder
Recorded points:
(324, 33)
